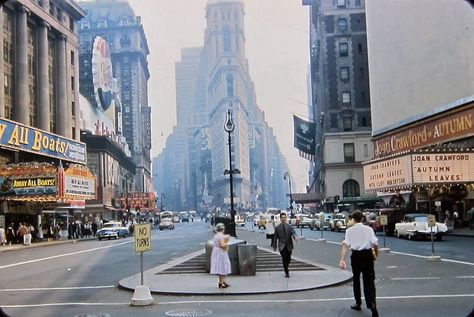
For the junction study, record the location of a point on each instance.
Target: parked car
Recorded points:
(166, 223)
(339, 222)
(416, 225)
(393, 216)
(316, 223)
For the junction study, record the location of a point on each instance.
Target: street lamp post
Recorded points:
(127, 207)
(287, 176)
(229, 128)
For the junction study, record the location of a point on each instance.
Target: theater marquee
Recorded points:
(418, 169)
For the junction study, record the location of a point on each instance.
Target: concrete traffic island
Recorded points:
(261, 283)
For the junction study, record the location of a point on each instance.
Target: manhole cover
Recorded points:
(189, 312)
(92, 315)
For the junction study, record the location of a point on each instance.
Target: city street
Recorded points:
(80, 279)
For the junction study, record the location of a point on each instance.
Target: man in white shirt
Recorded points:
(361, 240)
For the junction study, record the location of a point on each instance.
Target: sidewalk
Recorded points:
(43, 243)
(461, 232)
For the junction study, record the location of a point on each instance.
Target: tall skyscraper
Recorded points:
(211, 80)
(340, 99)
(116, 22)
(228, 82)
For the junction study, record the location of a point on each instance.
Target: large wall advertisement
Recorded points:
(16, 136)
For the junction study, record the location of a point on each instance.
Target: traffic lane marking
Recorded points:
(247, 301)
(154, 237)
(408, 254)
(37, 289)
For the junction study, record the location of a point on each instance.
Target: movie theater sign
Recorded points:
(418, 169)
(427, 133)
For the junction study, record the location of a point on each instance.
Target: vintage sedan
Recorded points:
(107, 233)
(416, 225)
(339, 222)
(316, 223)
(166, 223)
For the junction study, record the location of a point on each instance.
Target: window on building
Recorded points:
(72, 58)
(357, 3)
(346, 98)
(366, 150)
(102, 23)
(334, 121)
(349, 154)
(86, 25)
(230, 85)
(72, 82)
(359, 46)
(343, 49)
(341, 3)
(350, 188)
(227, 47)
(342, 25)
(73, 108)
(345, 74)
(347, 123)
(71, 24)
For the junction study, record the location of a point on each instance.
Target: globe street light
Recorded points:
(229, 128)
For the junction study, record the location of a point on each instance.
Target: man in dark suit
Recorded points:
(283, 238)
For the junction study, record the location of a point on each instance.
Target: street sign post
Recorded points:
(431, 224)
(383, 221)
(142, 242)
(142, 295)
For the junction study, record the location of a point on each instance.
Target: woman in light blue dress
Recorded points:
(220, 263)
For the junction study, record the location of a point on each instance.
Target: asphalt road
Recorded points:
(81, 279)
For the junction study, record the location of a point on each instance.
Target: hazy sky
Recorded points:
(277, 40)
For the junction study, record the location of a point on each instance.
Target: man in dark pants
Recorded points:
(283, 238)
(2, 313)
(361, 240)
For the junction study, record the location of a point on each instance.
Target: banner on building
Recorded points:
(304, 137)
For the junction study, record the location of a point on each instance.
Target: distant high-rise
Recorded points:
(210, 80)
(340, 99)
(116, 22)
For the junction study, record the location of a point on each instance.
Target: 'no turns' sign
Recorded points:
(142, 237)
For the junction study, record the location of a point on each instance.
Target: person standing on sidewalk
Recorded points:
(470, 218)
(361, 240)
(270, 229)
(283, 238)
(220, 263)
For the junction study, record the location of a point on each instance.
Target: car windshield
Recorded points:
(421, 218)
